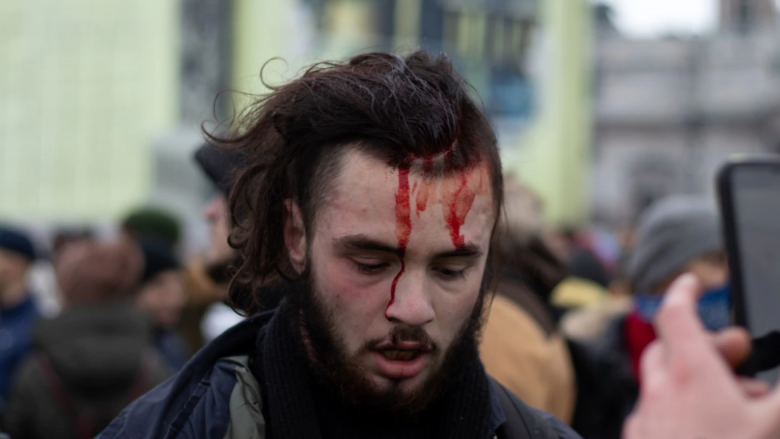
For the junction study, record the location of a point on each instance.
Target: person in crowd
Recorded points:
(93, 359)
(675, 235)
(153, 222)
(585, 285)
(521, 347)
(689, 388)
(206, 314)
(161, 295)
(64, 236)
(18, 312)
(371, 190)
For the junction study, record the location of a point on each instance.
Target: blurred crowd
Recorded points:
(117, 315)
(565, 330)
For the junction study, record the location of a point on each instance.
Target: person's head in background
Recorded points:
(92, 273)
(675, 235)
(523, 250)
(65, 236)
(17, 254)
(153, 222)
(161, 293)
(220, 166)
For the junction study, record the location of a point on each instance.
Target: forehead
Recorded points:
(400, 208)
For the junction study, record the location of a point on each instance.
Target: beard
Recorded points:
(341, 375)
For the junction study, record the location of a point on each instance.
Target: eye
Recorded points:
(371, 268)
(449, 274)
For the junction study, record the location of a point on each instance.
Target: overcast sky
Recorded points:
(650, 18)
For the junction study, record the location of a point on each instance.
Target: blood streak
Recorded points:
(403, 224)
(457, 206)
(421, 198)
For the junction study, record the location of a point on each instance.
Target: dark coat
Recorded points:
(16, 327)
(196, 403)
(85, 367)
(607, 389)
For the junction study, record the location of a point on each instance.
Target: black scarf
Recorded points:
(279, 364)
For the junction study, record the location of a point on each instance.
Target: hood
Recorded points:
(96, 350)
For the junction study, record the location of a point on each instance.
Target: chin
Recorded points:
(407, 386)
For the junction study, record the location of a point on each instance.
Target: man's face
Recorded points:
(379, 234)
(215, 212)
(162, 297)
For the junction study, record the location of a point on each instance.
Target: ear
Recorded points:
(295, 235)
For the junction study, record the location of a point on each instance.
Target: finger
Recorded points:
(631, 427)
(733, 344)
(753, 388)
(651, 364)
(678, 324)
(769, 409)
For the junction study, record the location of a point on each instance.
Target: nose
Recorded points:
(412, 305)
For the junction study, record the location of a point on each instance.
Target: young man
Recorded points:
(372, 187)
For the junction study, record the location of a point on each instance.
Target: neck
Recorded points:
(13, 294)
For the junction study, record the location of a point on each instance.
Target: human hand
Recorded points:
(688, 388)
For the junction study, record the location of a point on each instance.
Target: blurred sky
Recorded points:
(652, 18)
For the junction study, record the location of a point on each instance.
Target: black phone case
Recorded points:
(731, 239)
(758, 360)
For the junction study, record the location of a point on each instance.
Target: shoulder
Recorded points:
(195, 402)
(522, 420)
(562, 430)
(180, 408)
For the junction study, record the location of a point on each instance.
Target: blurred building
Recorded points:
(101, 103)
(527, 60)
(669, 111)
(84, 86)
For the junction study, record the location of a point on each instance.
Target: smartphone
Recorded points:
(749, 193)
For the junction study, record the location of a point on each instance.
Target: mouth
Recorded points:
(399, 355)
(401, 361)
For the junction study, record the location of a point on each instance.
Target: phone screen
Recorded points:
(756, 198)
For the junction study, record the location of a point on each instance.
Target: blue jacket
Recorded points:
(16, 328)
(195, 403)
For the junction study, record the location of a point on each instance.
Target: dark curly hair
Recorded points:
(394, 108)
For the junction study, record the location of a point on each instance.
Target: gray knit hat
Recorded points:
(671, 233)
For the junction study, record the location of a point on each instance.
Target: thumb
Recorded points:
(770, 411)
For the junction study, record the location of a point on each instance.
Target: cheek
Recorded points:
(355, 302)
(454, 308)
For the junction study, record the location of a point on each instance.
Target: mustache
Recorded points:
(409, 334)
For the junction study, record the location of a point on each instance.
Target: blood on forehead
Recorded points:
(457, 194)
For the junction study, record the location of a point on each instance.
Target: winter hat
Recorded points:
(158, 257)
(91, 272)
(219, 165)
(154, 222)
(671, 233)
(17, 242)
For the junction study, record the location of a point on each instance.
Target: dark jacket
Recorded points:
(200, 401)
(171, 347)
(85, 367)
(16, 327)
(607, 389)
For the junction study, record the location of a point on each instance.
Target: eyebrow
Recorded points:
(363, 242)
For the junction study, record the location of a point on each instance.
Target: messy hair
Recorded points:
(397, 109)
